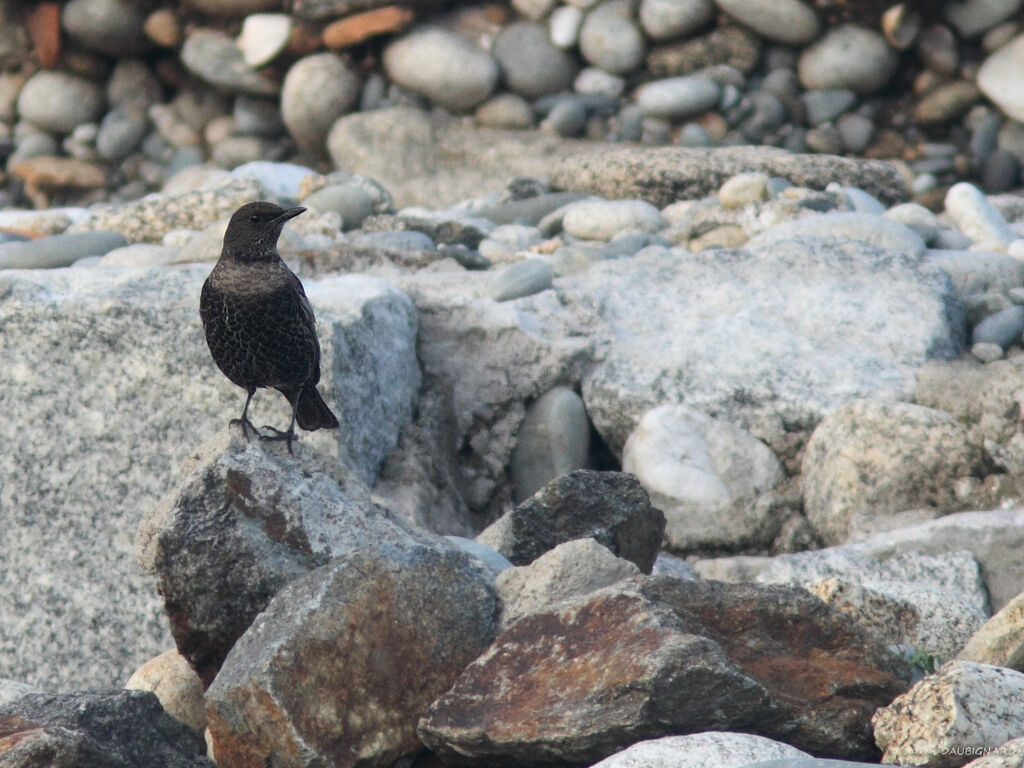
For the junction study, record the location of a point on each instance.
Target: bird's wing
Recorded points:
(308, 317)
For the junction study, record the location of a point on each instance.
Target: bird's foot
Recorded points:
(277, 434)
(246, 426)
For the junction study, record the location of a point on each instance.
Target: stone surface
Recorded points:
(574, 568)
(263, 37)
(914, 455)
(848, 56)
(360, 27)
(343, 662)
(74, 499)
(677, 98)
(553, 440)
(975, 216)
(112, 27)
(964, 707)
(863, 227)
(213, 56)
(1008, 755)
(662, 175)
(176, 685)
(317, 91)
(610, 507)
(530, 63)
(610, 38)
(790, 22)
(603, 219)
(997, 74)
(58, 250)
(1000, 641)
(110, 729)
(523, 278)
(667, 19)
(696, 331)
(655, 656)
(722, 750)
(707, 476)
(443, 66)
(59, 101)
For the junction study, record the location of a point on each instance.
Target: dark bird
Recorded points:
(259, 324)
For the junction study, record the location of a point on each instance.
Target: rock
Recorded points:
(790, 22)
(443, 66)
(243, 523)
(176, 685)
(523, 278)
(964, 705)
(730, 45)
(668, 19)
(678, 98)
(707, 476)
(972, 17)
(530, 63)
(610, 38)
(1006, 755)
(231, 7)
(534, 9)
(360, 27)
(350, 200)
(851, 57)
(864, 227)
(11, 690)
(722, 750)
(996, 76)
(59, 101)
(946, 103)
(60, 327)
(263, 37)
(744, 188)
(568, 117)
(975, 272)
(737, 369)
(112, 27)
(610, 507)
(213, 57)
(1000, 641)
(408, 621)
(675, 646)
(1003, 328)
(662, 175)
(577, 567)
(109, 729)
(505, 110)
(914, 455)
(856, 131)
(975, 216)
(163, 28)
(604, 219)
(120, 134)
(57, 250)
(565, 24)
(553, 440)
(824, 106)
(917, 217)
(317, 91)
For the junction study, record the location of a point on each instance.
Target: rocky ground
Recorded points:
(656, 450)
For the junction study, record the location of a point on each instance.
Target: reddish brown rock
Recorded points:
(345, 660)
(657, 656)
(43, 25)
(355, 29)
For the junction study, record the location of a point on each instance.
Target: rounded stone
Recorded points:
(568, 117)
(349, 200)
(999, 78)
(121, 132)
(553, 440)
(534, 9)
(610, 38)
(972, 18)
(445, 67)
(856, 131)
(677, 98)
(668, 19)
(505, 110)
(744, 188)
(848, 57)
(530, 63)
(233, 7)
(1003, 328)
(592, 80)
(946, 103)
(975, 216)
(214, 57)
(132, 82)
(524, 278)
(937, 48)
(826, 105)
(58, 101)
(790, 22)
(1000, 172)
(263, 37)
(253, 116)
(112, 27)
(603, 219)
(317, 91)
(564, 26)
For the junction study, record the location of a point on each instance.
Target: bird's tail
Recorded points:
(311, 412)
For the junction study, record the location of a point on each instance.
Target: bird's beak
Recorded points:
(291, 213)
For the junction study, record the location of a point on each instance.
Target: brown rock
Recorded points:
(1000, 641)
(654, 656)
(163, 28)
(321, 10)
(51, 172)
(176, 684)
(345, 660)
(946, 103)
(43, 25)
(727, 45)
(362, 26)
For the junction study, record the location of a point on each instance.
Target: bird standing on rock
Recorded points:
(259, 324)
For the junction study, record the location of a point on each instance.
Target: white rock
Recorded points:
(564, 26)
(917, 217)
(603, 219)
(706, 476)
(865, 227)
(743, 188)
(789, 22)
(999, 76)
(848, 56)
(263, 36)
(975, 216)
(700, 750)
(964, 706)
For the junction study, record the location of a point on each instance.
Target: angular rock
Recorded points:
(721, 750)
(610, 507)
(719, 332)
(914, 457)
(1000, 640)
(110, 729)
(655, 656)
(176, 685)
(662, 175)
(706, 476)
(243, 523)
(574, 568)
(344, 661)
(951, 716)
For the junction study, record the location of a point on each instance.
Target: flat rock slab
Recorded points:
(662, 175)
(108, 385)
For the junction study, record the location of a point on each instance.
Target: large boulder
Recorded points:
(108, 385)
(343, 662)
(657, 655)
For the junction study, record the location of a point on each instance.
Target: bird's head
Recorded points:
(253, 231)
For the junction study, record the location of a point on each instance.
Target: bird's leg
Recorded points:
(279, 435)
(244, 421)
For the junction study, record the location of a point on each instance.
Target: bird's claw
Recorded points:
(246, 426)
(277, 434)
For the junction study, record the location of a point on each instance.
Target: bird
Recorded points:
(259, 324)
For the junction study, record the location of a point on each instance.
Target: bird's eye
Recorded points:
(255, 218)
